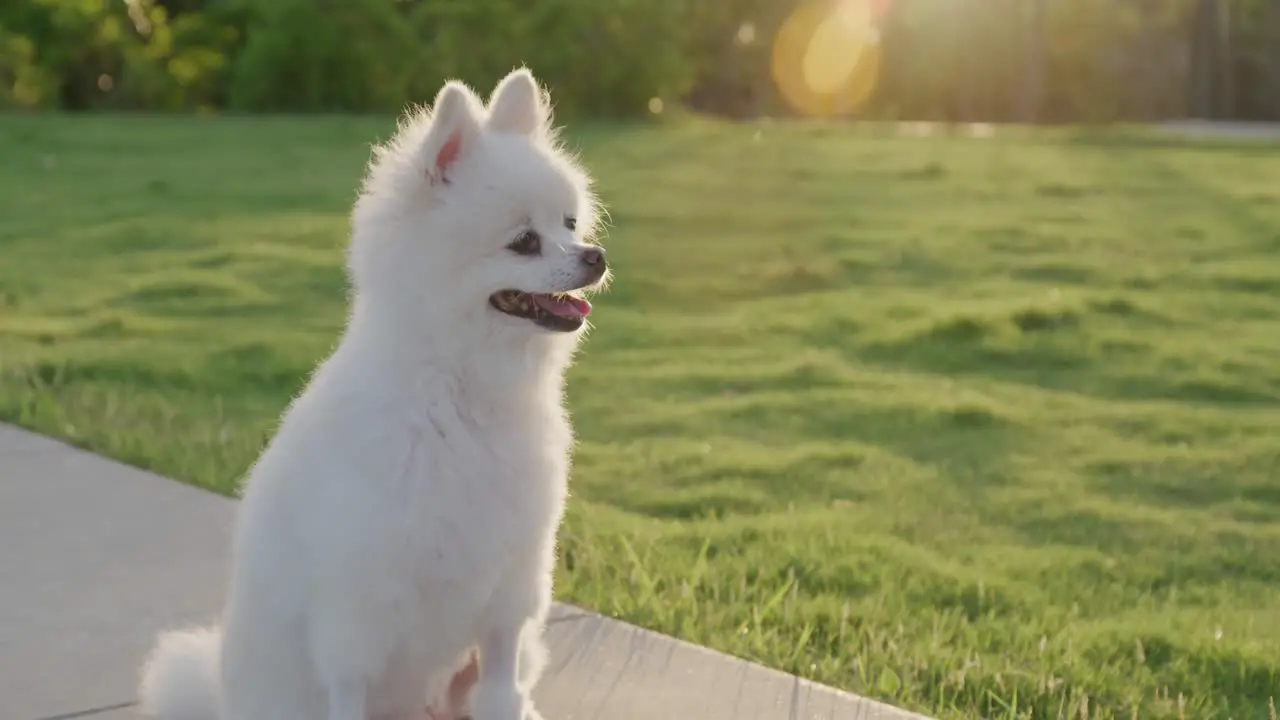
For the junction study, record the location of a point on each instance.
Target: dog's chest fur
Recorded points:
(466, 477)
(501, 465)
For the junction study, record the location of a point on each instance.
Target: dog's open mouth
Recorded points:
(562, 312)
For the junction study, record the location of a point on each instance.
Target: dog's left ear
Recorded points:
(518, 105)
(455, 127)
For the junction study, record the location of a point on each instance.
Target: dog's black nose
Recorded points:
(593, 257)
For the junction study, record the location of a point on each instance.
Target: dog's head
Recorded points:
(474, 219)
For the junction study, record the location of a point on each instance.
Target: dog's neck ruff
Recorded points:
(505, 363)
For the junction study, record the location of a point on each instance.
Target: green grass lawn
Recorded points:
(981, 427)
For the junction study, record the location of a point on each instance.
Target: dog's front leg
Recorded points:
(533, 659)
(347, 700)
(511, 654)
(533, 654)
(453, 706)
(350, 641)
(498, 695)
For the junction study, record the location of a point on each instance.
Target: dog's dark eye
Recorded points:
(529, 243)
(571, 222)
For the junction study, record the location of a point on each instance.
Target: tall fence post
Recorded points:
(1035, 71)
(1211, 91)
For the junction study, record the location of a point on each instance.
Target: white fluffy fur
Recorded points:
(405, 512)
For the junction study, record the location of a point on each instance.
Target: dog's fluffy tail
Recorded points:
(180, 679)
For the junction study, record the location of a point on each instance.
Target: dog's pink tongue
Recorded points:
(564, 305)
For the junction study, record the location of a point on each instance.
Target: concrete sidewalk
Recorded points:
(1264, 132)
(96, 557)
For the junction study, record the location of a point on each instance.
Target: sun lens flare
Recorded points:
(826, 56)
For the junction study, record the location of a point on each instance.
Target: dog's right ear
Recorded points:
(518, 105)
(455, 127)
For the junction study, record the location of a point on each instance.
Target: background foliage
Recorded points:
(974, 60)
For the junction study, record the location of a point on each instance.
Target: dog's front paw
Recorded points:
(531, 714)
(499, 703)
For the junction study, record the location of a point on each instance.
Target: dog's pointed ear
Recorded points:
(518, 104)
(455, 127)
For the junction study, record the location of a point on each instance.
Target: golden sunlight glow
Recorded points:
(826, 57)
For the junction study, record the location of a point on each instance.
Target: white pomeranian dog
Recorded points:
(403, 519)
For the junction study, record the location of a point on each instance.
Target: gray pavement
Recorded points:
(96, 557)
(1222, 130)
